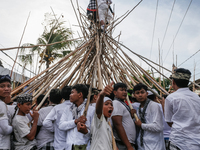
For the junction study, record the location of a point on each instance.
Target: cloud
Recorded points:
(137, 28)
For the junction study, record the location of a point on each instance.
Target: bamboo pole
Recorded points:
(129, 103)
(113, 138)
(20, 44)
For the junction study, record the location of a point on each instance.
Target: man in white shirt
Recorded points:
(182, 110)
(5, 127)
(52, 120)
(166, 127)
(123, 124)
(150, 121)
(73, 122)
(104, 11)
(45, 138)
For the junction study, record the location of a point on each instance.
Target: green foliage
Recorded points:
(54, 31)
(165, 84)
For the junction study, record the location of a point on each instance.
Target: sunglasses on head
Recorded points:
(2, 77)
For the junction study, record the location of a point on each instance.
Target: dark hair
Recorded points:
(140, 86)
(181, 83)
(65, 92)
(81, 88)
(39, 99)
(55, 96)
(94, 92)
(5, 78)
(151, 97)
(119, 85)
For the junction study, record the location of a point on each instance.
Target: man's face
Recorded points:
(5, 90)
(75, 96)
(121, 93)
(141, 95)
(107, 108)
(25, 108)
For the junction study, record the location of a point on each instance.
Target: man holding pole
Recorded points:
(182, 110)
(150, 121)
(123, 124)
(74, 123)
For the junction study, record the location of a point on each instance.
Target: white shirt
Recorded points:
(101, 134)
(135, 105)
(127, 121)
(51, 123)
(44, 136)
(22, 127)
(166, 127)
(183, 109)
(153, 128)
(67, 124)
(4, 139)
(93, 104)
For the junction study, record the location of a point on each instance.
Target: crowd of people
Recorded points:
(108, 123)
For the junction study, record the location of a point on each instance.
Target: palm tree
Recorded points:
(54, 31)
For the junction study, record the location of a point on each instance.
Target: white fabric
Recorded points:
(51, 123)
(127, 121)
(104, 13)
(101, 134)
(166, 127)
(6, 129)
(11, 111)
(93, 104)
(67, 124)
(151, 93)
(44, 136)
(99, 2)
(135, 105)
(183, 109)
(22, 127)
(4, 125)
(153, 128)
(106, 99)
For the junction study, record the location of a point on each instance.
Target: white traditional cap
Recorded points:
(151, 93)
(107, 99)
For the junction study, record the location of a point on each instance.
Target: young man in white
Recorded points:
(166, 127)
(150, 121)
(23, 129)
(52, 120)
(123, 124)
(73, 122)
(100, 129)
(182, 110)
(5, 127)
(104, 11)
(45, 138)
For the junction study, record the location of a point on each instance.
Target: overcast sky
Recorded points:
(137, 28)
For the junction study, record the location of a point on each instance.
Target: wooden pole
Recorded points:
(20, 44)
(131, 107)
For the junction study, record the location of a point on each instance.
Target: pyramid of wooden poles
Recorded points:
(98, 60)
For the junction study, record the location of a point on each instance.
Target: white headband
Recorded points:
(106, 99)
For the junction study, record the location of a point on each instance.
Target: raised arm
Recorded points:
(99, 105)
